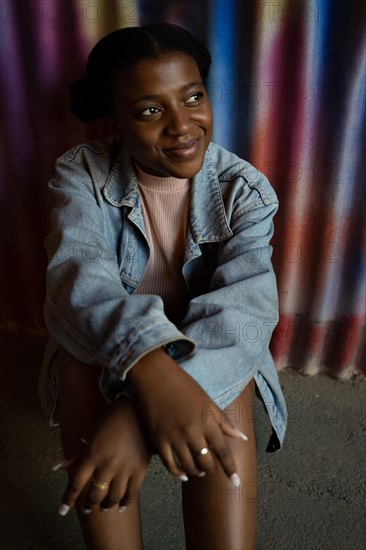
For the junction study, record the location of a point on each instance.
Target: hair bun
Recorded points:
(83, 102)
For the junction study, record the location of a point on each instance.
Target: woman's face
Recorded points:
(163, 115)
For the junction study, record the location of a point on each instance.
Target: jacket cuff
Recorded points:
(178, 348)
(113, 385)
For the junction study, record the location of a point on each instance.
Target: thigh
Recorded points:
(217, 515)
(80, 403)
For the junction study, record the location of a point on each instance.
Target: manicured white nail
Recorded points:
(235, 480)
(122, 508)
(64, 508)
(201, 474)
(183, 477)
(86, 510)
(104, 509)
(57, 466)
(242, 435)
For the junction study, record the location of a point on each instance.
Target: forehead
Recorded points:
(163, 75)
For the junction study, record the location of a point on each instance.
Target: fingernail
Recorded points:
(122, 508)
(104, 509)
(86, 510)
(242, 435)
(64, 508)
(201, 474)
(235, 480)
(83, 440)
(183, 477)
(57, 466)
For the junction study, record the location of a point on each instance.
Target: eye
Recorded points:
(195, 98)
(150, 111)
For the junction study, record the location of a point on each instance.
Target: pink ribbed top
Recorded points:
(165, 206)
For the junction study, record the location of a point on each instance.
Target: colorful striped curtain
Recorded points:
(288, 92)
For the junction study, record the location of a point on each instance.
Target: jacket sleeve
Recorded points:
(232, 323)
(87, 309)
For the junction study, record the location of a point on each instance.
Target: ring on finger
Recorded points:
(202, 452)
(102, 485)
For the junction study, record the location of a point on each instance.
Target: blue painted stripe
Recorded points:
(222, 85)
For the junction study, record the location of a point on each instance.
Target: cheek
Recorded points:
(207, 116)
(138, 140)
(203, 119)
(210, 114)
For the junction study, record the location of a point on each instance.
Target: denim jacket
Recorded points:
(98, 252)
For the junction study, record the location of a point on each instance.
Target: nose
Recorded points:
(178, 122)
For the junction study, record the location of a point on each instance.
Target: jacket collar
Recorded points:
(121, 187)
(207, 224)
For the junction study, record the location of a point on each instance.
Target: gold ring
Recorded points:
(102, 485)
(203, 451)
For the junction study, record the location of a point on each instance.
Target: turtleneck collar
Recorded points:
(157, 183)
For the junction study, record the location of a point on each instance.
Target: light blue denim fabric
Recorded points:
(98, 253)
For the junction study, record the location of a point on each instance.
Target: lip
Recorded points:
(186, 149)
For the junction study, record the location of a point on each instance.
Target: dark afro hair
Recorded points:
(92, 97)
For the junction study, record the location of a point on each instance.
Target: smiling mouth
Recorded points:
(184, 150)
(185, 145)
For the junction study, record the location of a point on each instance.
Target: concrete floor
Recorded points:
(311, 495)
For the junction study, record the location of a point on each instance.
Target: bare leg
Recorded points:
(218, 516)
(79, 405)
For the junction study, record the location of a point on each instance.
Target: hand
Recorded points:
(175, 408)
(116, 456)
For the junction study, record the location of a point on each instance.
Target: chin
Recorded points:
(187, 171)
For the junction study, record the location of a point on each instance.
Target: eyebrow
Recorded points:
(152, 97)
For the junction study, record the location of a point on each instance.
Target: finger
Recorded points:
(187, 460)
(77, 482)
(65, 463)
(224, 455)
(233, 432)
(98, 488)
(167, 458)
(204, 458)
(131, 494)
(230, 430)
(117, 489)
